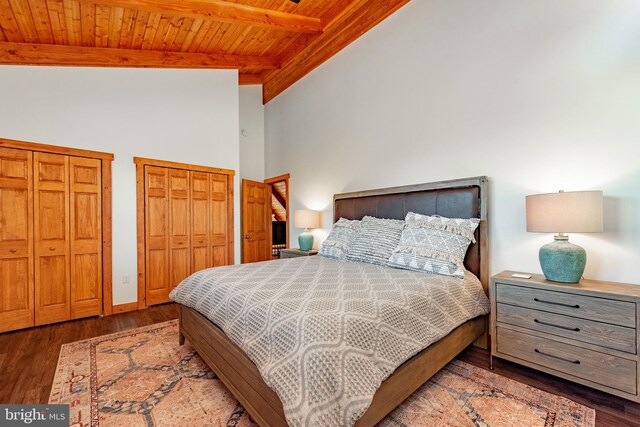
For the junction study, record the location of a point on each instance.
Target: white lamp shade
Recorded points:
(306, 219)
(570, 212)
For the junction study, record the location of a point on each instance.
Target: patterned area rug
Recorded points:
(142, 377)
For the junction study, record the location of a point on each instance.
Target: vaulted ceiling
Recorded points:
(270, 42)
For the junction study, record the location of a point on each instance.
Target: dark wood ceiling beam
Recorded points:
(223, 11)
(277, 215)
(279, 197)
(44, 54)
(245, 79)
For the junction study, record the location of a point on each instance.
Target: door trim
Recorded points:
(54, 149)
(285, 177)
(176, 165)
(140, 163)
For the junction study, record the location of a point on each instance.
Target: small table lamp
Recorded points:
(306, 219)
(575, 212)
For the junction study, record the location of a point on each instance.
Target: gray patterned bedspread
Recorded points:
(324, 333)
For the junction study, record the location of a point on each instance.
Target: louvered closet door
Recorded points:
(179, 228)
(200, 221)
(51, 238)
(86, 237)
(157, 234)
(219, 221)
(16, 240)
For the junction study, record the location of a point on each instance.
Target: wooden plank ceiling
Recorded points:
(270, 42)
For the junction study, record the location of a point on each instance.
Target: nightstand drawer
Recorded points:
(588, 331)
(600, 368)
(611, 311)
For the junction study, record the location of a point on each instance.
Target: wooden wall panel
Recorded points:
(73, 22)
(86, 236)
(24, 19)
(51, 238)
(88, 21)
(16, 240)
(8, 23)
(55, 8)
(40, 13)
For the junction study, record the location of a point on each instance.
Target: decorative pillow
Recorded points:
(434, 244)
(340, 239)
(376, 240)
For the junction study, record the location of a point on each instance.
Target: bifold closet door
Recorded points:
(16, 239)
(51, 238)
(200, 221)
(219, 220)
(156, 234)
(179, 227)
(86, 236)
(186, 226)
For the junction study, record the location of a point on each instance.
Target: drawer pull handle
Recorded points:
(576, 362)
(556, 303)
(13, 251)
(557, 326)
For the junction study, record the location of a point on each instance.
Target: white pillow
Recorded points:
(434, 244)
(340, 239)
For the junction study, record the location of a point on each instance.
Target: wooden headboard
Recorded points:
(459, 198)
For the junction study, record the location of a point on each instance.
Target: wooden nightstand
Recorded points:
(294, 253)
(586, 332)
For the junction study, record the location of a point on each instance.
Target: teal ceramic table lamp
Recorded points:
(570, 212)
(306, 219)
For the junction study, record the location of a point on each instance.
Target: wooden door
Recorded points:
(256, 221)
(157, 234)
(16, 240)
(179, 228)
(51, 238)
(85, 186)
(219, 220)
(200, 221)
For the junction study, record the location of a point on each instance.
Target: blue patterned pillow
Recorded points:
(434, 244)
(376, 240)
(340, 239)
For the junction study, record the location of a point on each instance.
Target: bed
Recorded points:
(464, 198)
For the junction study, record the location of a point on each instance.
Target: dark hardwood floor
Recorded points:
(28, 359)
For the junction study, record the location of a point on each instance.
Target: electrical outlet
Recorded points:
(125, 279)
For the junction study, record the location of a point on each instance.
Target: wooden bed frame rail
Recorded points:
(243, 379)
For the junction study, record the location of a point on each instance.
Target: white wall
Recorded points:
(251, 133)
(186, 116)
(539, 95)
